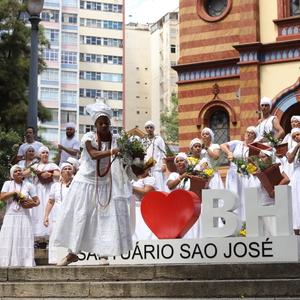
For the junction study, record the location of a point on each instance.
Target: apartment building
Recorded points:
(85, 61)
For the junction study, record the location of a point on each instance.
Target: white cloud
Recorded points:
(148, 11)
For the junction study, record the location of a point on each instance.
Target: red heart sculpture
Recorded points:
(170, 216)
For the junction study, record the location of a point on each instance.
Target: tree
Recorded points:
(14, 66)
(14, 78)
(169, 121)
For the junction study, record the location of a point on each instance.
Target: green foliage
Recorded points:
(7, 140)
(14, 66)
(169, 121)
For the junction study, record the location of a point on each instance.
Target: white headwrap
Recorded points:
(269, 153)
(195, 141)
(149, 123)
(73, 161)
(254, 129)
(43, 148)
(266, 100)
(63, 165)
(182, 155)
(295, 117)
(70, 125)
(295, 130)
(27, 147)
(99, 109)
(12, 169)
(212, 135)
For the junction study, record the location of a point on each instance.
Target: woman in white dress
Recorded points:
(268, 123)
(29, 159)
(294, 157)
(16, 236)
(196, 148)
(94, 217)
(213, 152)
(58, 192)
(269, 223)
(49, 172)
(140, 188)
(181, 180)
(240, 149)
(295, 123)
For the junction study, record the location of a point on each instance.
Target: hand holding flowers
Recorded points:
(244, 168)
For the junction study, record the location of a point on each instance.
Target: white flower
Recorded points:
(243, 166)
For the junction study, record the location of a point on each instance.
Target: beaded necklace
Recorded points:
(98, 160)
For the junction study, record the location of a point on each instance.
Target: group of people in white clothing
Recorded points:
(86, 208)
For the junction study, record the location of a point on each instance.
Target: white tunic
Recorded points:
(43, 190)
(16, 236)
(94, 216)
(142, 231)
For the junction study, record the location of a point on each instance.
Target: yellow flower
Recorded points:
(251, 168)
(243, 232)
(209, 172)
(193, 161)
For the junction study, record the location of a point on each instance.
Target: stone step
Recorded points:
(220, 281)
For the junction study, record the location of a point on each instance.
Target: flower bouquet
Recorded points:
(281, 148)
(132, 151)
(201, 177)
(244, 168)
(243, 231)
(23, 201)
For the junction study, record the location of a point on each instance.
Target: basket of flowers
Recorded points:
(23, 201)
(244, 167)
(132, 150)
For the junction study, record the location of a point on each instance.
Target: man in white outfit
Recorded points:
(155, 147)
(69, 145)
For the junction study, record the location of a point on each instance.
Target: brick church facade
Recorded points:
(233, 53)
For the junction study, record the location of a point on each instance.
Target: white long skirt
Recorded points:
(81, 227)
(16, 246)
(295, 184)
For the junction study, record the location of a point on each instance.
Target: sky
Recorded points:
(147, 11)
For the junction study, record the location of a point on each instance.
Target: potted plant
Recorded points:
(281, 148)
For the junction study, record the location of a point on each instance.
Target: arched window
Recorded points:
(294, 7)
(219, 124)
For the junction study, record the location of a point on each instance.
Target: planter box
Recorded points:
(170, 164)
(197, 184)
(256, 147)
(281, 149)
(270, 177)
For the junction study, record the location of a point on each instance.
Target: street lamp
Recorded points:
(34, 8)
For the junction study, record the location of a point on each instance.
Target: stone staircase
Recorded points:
(197, 281)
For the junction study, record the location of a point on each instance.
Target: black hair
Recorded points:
(30, 127)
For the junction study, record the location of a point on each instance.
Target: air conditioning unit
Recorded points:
(117, 118)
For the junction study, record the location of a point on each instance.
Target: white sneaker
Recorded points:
(70, 258)
(103, 261)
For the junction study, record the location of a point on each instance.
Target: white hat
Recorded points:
(99, 109)
(70, 125)
(212, 135)
(195, 141)
(63, 165)
(295, 130)
(266, 100)
(182, 155)
(73, 161)
(43, 148)
(149, 123)
(12, 169)
(295, 117)
(253, 129)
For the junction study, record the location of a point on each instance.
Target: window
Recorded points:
(91, 40)
(51, 134)
(82, 111)
(116, 60)
(69, 97)
(173, 80)
(112, 25)
(54, 112)
(50, 75)
(89, 128)
(69, 19)
(68, 38)
(52, 35)
(70, 3)
(115, 130)
(173, 48)
(69, 77)
(173, 63)
(294, 8)
(50, 15)
(48, 94)
(68, 116)
(219, 124)
(173, 33)
(50, 54)
(69, 58)
(92, 58)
